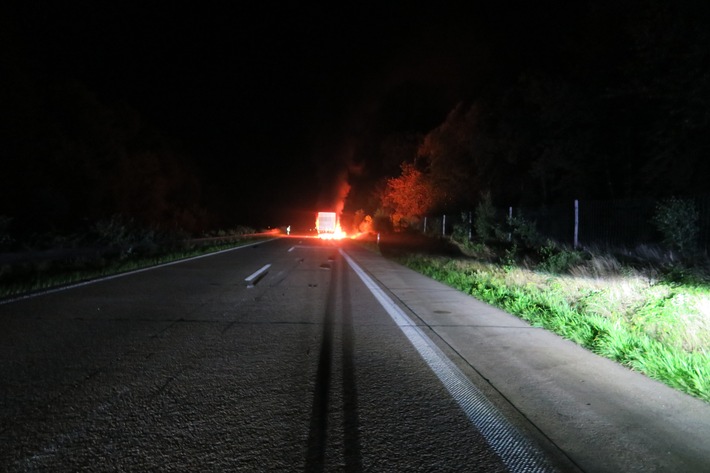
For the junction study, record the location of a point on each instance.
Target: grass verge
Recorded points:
(657, 328)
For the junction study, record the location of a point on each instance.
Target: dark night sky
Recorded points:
(275, 102)
(268, 98)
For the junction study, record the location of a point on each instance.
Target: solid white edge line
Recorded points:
(518, 453)
(127, 273)
(257, 273)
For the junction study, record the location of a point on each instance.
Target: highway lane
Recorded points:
(189, 366)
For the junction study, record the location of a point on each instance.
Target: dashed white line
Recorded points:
(254, 277)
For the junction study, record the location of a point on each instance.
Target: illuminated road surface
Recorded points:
(284, 356)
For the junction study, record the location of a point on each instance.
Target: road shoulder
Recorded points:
(603, 416)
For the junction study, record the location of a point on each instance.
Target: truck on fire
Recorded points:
(326, 224)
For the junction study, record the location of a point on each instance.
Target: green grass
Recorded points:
(660, 329)
(30, 277)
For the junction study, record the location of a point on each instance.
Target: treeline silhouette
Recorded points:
(586, 101)
(70, 160)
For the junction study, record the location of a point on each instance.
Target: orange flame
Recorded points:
(338, 234)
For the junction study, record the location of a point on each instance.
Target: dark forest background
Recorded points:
(598, 101)
(70, 160)
(584, 99)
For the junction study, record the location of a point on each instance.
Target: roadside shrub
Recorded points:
(52, 240)
(558, 260)
(241, 230)
(6, 239)
(126, 237)
(677, 220)
(680, 274)
(382, 222)
(114, 231)
(462, 229)
(511, 257)
(524, 232)
(484, 225)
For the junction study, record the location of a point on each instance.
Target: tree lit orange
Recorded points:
(408, 196)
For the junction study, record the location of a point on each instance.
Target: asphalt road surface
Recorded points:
(289, 355)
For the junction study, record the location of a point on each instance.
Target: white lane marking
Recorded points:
(127, 273)
(291, 249)
(517, 452)
(257, 274)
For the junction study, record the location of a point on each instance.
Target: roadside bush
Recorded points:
(52, 240)
(433, 227)
(241, 230)
(462, 229)
(127, 238)
(484, 225)
(382, 222)
(677, 220)
(115, 231)
(558, 260)
(6, 239)
(524, 232)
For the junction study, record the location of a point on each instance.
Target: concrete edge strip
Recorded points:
(120, 275)
(517, 452)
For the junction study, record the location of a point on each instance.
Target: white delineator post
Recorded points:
(510, 220)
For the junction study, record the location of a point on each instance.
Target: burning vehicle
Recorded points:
(328, 226)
